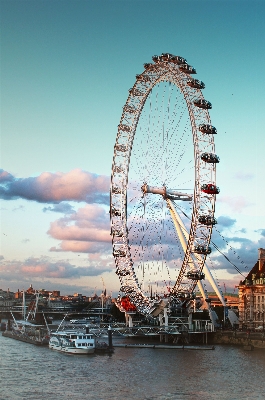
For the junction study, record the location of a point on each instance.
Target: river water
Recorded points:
(226, 373)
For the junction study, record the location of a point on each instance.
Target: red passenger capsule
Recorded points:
(210, 188)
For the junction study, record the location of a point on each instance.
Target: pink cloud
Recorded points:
(89, 223)
(81, 247)
(60, 230)
(236, 203)
(5, 176)
(44, 267)
(76, 185)
(85, 231)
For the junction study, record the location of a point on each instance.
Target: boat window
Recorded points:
(73, 337)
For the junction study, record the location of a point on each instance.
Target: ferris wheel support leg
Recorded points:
(190, 322)
(201, 289)
(213, 284)
(177, 224)
(166, 316)
(129, 321)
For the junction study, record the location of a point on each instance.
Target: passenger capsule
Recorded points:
(208, 129)
(207, 220)
(195, 275)
(129, 109)
(121, 147)
(126, 289)
(156, 59)
(209, 188)
(119, 253)
(117, 169)
(115, 212)
(178, 60)
(188, 69)
(125, 128)
(210, 158)
(148, 65)
(201, 103)
(122, 272)
(117, 232)
(183, 295)
(196, 84)
(143, 78)
(166, 57)
(135, 92)
(200, 249)
(126, 303)
(116, 190)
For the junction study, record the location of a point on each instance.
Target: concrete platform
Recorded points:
(163, 346)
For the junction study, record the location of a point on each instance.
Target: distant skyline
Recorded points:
(66, 68)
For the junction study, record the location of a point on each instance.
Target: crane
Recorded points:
(104, 287)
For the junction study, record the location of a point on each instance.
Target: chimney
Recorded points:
(261, 259)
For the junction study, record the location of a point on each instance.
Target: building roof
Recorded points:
(258, 271)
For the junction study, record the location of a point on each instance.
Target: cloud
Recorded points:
(82, 247)
(245, 176)
(5, 176)
(19, 208)
(44, 267)
(76, 185)
(84, 231)
(235, 203)
(63, 207)
(243, 230)
(225, 221)
(89, 223)
(242, 252)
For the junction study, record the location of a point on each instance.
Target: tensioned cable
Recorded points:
(215, 246)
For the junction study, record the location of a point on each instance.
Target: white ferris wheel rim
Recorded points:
(205, 173)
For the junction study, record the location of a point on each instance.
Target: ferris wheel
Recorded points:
(163, 185)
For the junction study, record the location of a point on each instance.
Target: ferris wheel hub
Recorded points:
(166, 193)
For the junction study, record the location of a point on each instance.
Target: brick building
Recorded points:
(251, 294)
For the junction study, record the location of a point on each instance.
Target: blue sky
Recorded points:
(66, 67)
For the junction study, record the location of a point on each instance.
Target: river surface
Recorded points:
(226, 373)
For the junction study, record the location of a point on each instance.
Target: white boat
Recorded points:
(73, 342)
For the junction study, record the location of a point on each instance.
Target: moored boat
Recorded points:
(73, 342)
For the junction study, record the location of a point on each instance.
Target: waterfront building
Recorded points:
(251, 293)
